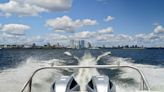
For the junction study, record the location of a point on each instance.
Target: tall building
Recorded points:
(72, 44)
(89, 45)
(58, 45)
(81, 44)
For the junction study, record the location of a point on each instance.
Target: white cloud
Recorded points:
(5, 35)
(88, 22)
(150, 39)
(99, 37)
(33, 7)
(109, 18)
(105, 37)
(152, 36)
(116, 38)
(159, 29)
(66, 24)
(44, 39)
(55, 37)
(84, 35)
(5, 14)
(20, 9)
(123, 37)
(6, 38)
(14, 29)
(102, 34)
(106, 30)
(52, 5)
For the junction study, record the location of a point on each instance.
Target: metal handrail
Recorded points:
(145, 83)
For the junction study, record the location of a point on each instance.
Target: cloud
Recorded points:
(6, 38)
(106, 30)
(5, 14)
(52, 5)
(84, 35)
(147, 37)
(109, 18)
(150, 39)
(159, 29)
(104, 36)
(117, 39)
(66, 24)
(96, 35)
(20, 9)
(14, 29)
(123, 37)
(52, 38)
(56, 37)
(33, 7)
(88, 22)
(152, 36)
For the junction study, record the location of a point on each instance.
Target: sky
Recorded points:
(101, 22)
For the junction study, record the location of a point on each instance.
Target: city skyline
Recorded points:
(73, 44)
(101, 22)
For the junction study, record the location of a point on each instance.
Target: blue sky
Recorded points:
(109, 22)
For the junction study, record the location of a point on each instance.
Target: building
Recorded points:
(72, 44)
(2, 46)
(81, 44)
(89, 45)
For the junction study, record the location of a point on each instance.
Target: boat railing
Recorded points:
(145, 85)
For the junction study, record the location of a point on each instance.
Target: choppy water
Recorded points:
(17, 65)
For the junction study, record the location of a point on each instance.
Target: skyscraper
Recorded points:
(72, 44)
(89, 45)
(81, 44)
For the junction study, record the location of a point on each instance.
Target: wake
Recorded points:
(12, 80)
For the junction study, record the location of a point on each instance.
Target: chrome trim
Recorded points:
(145, 85)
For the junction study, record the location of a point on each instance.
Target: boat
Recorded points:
(100, 83)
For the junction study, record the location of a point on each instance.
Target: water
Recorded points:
(16, 65)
